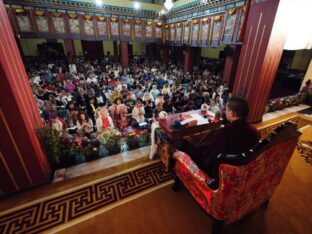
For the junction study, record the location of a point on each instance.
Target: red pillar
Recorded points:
(165, 54)
(23, 163)
(124, 54)
(70, 51)
(260, 55)
(230, 66)
(115, 51)
(189, 59)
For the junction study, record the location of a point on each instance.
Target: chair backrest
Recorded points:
(245, 187)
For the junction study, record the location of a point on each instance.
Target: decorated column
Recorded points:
(70, 50)
(124, 54)
(115, 51)
(23, 163)
(262, 48)
(232, 53)
(165, 54)
(189, 59)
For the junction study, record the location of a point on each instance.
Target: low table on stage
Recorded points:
(175, 134)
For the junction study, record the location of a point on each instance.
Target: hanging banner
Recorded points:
(167, 33)
(88, 26)
(204, 32)
(172, 34)
(216, 30)
(23, 21)
(178, 33)
(138, 30)
(41, 22)
(101, 27)
(74, 26)
(149, 31)
(230, 21)
(195, 31)
(186, 33)
(58, 24)
(159, 31)
(126, 29)
(114, 28)
(239, 36)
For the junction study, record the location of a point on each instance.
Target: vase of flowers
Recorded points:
(110, 138)
(70, 150)
(132, 141)
(90, 149)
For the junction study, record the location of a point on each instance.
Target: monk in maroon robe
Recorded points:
(236, 137)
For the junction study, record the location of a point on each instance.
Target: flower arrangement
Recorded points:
(132, 141)
(90, 149)
(110, 138)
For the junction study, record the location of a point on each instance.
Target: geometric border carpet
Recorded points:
(52, 212)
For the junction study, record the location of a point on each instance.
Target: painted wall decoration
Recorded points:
(216, 30)
(239, 36)
(230, 20)
(114, 28)
(41, 20)
(195, 32)
(58, 23)
(186, 33)
(149, 31)
(73, 22)
(23, 20)
(205, 32)
(101, 27)
(126, 29)
(88, 25)
(179, 33)
(138, 30)
(159, 31)
(172, 33)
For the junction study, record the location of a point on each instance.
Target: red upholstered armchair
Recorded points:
(245, 185)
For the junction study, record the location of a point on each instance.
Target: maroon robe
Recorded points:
(237, 137)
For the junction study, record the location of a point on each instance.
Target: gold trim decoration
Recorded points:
(159, 24)
(40, 13)
(88, 17)
(217, 18)
(196, 21)
(56, 14)
(126, 20)
(137, 21)
(187, 23)
(100, 194)
(166, 26)
(72, 16)
(19, 11)
(101, 18)
(113, 19)
(179, 25)
(9, 171)
(232, 11)
(149, 23)
(172, 26)
(245, 8)
(15, 147)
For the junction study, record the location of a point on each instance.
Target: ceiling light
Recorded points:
(136, 5)
(168, 4)
(99, 2)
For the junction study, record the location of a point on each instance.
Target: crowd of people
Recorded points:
(88, 97)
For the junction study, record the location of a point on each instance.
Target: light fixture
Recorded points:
(162, 11)
(99, 2)
(168, 4)
(136, 5)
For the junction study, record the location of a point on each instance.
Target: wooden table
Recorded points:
(175, 134)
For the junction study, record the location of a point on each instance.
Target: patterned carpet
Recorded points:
(68, 206)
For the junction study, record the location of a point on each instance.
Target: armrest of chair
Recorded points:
(185, 163)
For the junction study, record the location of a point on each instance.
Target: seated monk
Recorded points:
(237, 137)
